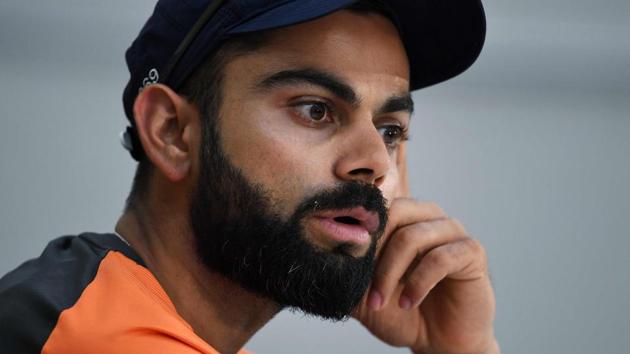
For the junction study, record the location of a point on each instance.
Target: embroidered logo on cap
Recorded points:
(152, 78)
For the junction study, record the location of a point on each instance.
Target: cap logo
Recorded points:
(152, 78)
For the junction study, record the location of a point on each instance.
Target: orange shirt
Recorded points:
(119, 307)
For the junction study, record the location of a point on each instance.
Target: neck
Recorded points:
(221, 312)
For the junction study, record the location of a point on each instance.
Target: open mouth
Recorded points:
(369, 220)
(354, 225)
(347, 220)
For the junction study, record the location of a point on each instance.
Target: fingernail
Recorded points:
(375, 300)
(405, 303)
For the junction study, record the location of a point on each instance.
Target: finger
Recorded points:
(460, 260)
(406, 211)
(404, 248)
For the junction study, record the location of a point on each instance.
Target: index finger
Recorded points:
(406, 211)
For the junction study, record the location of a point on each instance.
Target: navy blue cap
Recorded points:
(442, 37)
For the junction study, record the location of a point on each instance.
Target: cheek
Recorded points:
(269, 153)
(275, 155)
(286, 174)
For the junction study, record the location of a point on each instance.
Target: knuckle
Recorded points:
(435, 209)
(437, 258)
(479, 252)
(406, 237)
(475, 246)
(429, 234)
(424, 228)
(421, 233)
(458, 226)
(415, 287)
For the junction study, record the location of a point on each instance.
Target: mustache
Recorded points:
(347, 195)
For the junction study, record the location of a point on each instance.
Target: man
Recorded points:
(270, 140)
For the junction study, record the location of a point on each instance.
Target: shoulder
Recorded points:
(33, 295)
(90, 294)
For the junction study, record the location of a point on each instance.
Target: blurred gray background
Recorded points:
(529, 149)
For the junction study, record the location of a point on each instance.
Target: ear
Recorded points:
(401, 164)
(163, 121)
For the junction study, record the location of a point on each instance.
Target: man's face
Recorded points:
(295, 175)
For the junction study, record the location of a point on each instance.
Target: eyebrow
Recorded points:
(398, 103)
(328, 81)
(336, 85)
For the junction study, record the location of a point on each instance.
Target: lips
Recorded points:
(352, 225)
(369, 220)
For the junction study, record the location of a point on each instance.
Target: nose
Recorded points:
(363, 156)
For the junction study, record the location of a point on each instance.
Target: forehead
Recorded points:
(355, 45)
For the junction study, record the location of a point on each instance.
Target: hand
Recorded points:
(431, 291)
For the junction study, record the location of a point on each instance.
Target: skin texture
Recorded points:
(430, 292)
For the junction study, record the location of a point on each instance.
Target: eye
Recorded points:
(313, 111)
(393, 135)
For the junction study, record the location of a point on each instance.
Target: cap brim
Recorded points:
(290, 13)
(443, 38)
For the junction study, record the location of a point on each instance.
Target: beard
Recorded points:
(239, 235)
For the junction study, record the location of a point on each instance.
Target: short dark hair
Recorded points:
(203, 88)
